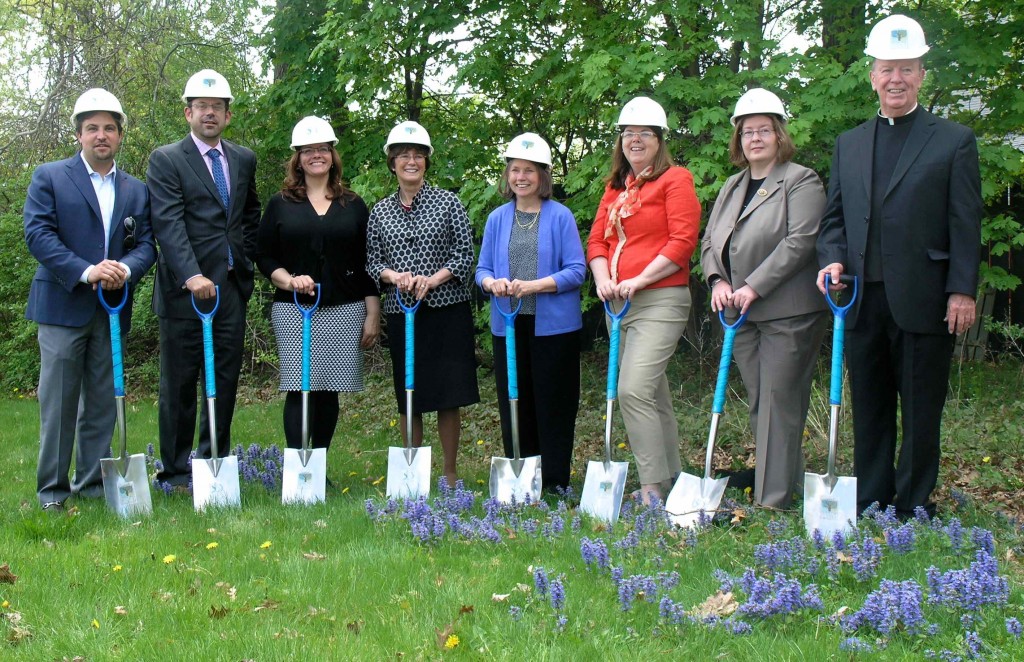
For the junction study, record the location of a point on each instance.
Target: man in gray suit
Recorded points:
(87, 223)
(205, 215)
(903, 215)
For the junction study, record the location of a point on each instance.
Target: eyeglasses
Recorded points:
(414, 156)
(748, 134)
(310, 151)
(202, 106)
(129, 237)
(630, 135)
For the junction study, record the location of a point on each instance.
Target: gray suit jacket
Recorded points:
(773, 239)
(192, 227)
(931, 219)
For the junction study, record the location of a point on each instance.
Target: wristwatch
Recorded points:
(713, 280)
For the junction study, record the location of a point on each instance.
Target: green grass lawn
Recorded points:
(270, 582)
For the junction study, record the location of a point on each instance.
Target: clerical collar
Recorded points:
(903, 119)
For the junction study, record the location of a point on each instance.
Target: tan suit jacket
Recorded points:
(773, 240)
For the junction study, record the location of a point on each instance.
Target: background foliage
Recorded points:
(475, 74)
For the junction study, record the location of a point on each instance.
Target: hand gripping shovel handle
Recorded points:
(307, 324)
(211, 379)
(116, 356)
(613, 374)
(835, 398)
(410, 362)
(721, 383)
(513, 370)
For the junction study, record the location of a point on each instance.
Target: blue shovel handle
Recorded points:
(115, 337)
(510, 345)
(307, 324)
(410, 345)
(207, 318)
(718, 406)
(613, 347)
(835, 395)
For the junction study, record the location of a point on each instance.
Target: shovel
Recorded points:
(304, 479)
(606, 480)
(830, 501)
(408, 467)
(125, 482)
(214, 481)
(691, 496)
(519, 478)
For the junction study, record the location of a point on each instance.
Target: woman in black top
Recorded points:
(314, 231)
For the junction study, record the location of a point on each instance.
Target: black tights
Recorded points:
(323, 418)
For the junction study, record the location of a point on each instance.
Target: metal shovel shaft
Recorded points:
(211, 415)
(608, 435)
(409, 452)
(122, 434)
(305, 452)
(712, 435)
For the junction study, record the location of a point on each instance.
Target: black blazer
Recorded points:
(191, 226)
(931, 219)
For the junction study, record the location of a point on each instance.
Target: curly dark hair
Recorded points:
(294, 187)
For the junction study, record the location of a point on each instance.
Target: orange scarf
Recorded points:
(627, 204)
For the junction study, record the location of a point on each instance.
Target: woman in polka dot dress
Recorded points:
(420, 244)
(314, 231)
(531, 251)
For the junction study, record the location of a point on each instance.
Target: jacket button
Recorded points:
(860, 255)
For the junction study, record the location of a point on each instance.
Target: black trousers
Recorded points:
(548, 370)
(323, 418)
(887, 364)
(181, 369)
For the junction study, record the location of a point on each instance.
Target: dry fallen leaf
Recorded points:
(439, 581)
(466, 609)
(719, 604)
(13, 617)
(499, 597)
(844, 557)
(228, 589)
(522, 588)
(5, 575)
(17, 634)
(218, 613)
(443, 634)
(738, 516)
(354, 626)
(120, 610)
(314, 556)
(267, 604)
(163, 596)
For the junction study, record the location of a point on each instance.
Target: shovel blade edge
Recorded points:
(829, 510)
(602, 490)
(408, 480)
(692, 495)
(304, 484)
(507, 484)
(220, 490)
(127, 495)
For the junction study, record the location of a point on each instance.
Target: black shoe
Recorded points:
(740, 480)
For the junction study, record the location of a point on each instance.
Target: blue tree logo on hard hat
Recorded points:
(898, 36)
(527, 144)
(410, 130)
(209, 82)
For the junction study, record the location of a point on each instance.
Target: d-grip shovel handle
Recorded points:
(835, 395)
(307, 323)
(410, 345)
(115, 337)
(613, 347)
(207, 319)
(510, 345)
(718, 406)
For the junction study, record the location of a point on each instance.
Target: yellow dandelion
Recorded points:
(622, 444)
(266, 544)
(378, 481)
(344, 490)
(986, 459)
(479, 442)
(212, 545)
(95, 624)
(479, 481)
(452, 641)
(746, 490)
(117, 568)
(5, 604)
(393, 422)
(353, 473)
(170, 558)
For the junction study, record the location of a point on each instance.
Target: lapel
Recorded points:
(921, 131)
(120, 201)
(233, 165)
(80, 177)
(863, 148)
(770, 186)
(198, 164)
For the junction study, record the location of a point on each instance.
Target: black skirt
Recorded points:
(444, 375)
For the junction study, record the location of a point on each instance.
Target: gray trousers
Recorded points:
(776, 359)
(76, 407)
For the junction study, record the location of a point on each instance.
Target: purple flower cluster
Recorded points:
(782, 555)
(777, 528)
(970, 588)
(955, 531)
(778, 595)
(901, 539)
(260, 465)
(636, 587)
(540, 581)
(595, 552)
(556, 593)
(983, 539)
(1013, 627)
(856, 645)
(867, 555)
(892, 605)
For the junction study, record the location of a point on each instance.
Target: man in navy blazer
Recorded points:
(903, 215)
(87, 223)
(205, 216)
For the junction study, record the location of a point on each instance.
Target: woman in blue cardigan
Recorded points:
(532, 251)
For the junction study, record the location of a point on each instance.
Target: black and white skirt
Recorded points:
(336, 359)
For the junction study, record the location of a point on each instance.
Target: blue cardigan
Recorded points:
(559, 255)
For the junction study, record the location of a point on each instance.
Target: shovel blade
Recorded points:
(304, 483)
(127, 495)
(408, 479)
(829, 510)
(507, 483)
(213, 487)
(603, 490)
(692, 495)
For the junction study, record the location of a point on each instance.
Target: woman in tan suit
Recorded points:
(758, 256)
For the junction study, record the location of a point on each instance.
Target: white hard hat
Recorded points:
(759, 101)
(896, 37)
(409, 133)
(530, 147)
(312, 130)
(97, 99)
(207, 83)
(643, 111)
